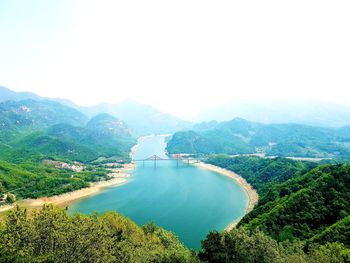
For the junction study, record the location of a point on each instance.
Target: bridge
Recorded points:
(177, 158)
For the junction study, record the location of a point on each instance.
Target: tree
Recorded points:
(51, 235)
(2, 189)
(240, 245)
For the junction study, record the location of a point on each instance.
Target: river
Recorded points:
(185, 199)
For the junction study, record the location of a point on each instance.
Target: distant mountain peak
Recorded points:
(301, 111)
(143, 119)
(108, 123)
(7, 94)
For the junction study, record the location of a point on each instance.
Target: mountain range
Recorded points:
(299, 111)
(53, 130)
(240, 136)
(142, 119)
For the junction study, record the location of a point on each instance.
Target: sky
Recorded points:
(179, 56)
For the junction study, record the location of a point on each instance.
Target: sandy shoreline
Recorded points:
(252, 195)
(118, 176)
(6, 207)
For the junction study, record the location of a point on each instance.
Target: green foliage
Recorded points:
(51, 235)
(211, 142)
(262, 173)
(304, 206)
(55, 148)
(240, 245)
(340, 231)
(297, 201)
(2, 189)
(10, 198)
(32, 180)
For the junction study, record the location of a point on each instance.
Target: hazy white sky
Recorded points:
(180, 56)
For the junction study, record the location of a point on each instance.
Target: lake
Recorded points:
(184, 199)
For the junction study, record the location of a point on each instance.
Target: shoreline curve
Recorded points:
(251, 193)
(116, 178)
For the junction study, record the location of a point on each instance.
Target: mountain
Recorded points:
(240, 136)
(314, 113)
(107, 124)
(48, 129)
(40, 113)
(7, 94)
(141, 118)
(30, 115)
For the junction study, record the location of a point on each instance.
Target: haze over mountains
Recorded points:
(281, 111)
(145, 119)
(142, 119)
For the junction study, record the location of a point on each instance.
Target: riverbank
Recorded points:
(252, 195)
(118, 176)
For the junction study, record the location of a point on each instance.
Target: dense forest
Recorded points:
(51, 235)
(240, 136)
(298, 202)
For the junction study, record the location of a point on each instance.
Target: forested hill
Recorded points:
(239, 136)
(33, 132)
(52, 130)
(303, 213)
(297, 201)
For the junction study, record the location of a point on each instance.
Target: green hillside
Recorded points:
(262, 173)
(34, 114)
(296, 201)
(50, 235)
(32, 132)
(46, 129)
(243, 137)
(302, 214)
(33, 180)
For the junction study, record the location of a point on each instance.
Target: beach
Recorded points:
(118, 176)
(252, 195)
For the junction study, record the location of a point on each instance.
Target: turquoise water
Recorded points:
(186, 200)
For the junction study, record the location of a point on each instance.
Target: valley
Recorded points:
(282, 186)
